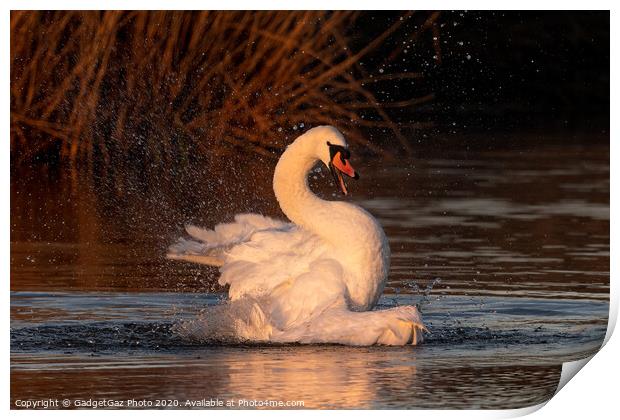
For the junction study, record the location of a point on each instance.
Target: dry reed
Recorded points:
(166, 86)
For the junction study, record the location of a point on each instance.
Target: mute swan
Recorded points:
(314, 280)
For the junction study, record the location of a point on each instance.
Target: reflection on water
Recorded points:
(507, 255)
(322, 378)
(491, 352)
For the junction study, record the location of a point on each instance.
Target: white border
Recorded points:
(592, 394)
(310, 5)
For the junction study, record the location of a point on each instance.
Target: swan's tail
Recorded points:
(392, 327)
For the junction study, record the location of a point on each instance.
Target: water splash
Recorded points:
(227, 322)
(424, 293)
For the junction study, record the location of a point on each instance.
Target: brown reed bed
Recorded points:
(164, 87)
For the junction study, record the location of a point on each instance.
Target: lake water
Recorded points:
(505, 252)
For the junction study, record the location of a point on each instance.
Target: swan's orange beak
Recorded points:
(340, 165)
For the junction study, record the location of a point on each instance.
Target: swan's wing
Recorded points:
(287, 268)
(208, 246)
(270, 258)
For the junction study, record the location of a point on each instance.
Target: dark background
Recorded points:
(499, 72)
(528, 68)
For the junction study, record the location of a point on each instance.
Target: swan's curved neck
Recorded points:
(297, 201)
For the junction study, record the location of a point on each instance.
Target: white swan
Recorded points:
(314, 280)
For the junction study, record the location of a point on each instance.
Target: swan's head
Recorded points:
(332, 149)
(339, 164)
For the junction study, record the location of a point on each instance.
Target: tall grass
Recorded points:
(105, 87)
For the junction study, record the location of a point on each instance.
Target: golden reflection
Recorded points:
(321, 377)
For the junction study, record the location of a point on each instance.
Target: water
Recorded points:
(506, 253)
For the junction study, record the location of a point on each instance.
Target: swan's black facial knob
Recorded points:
(339, 164)
(335, 148)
